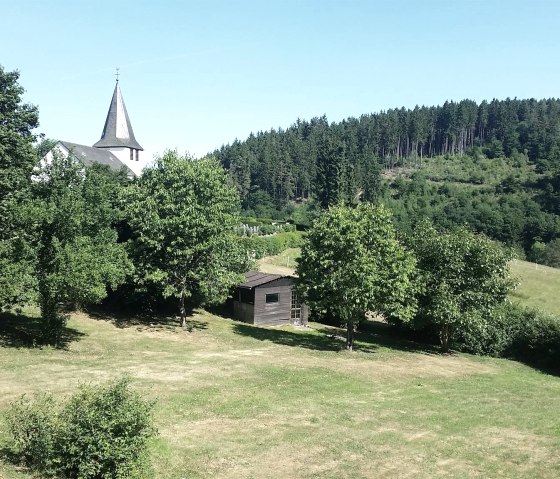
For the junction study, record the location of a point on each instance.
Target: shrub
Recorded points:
(33, 425)
(537, 339)
(512, 331)
(101, 432)
(492, 335)
(261, 246)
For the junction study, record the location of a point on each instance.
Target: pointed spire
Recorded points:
(118, 130)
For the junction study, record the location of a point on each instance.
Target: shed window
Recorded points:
(272, 298)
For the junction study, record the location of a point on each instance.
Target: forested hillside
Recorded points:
(493, 165)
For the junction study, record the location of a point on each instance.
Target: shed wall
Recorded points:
(243, 312)
(273, 314)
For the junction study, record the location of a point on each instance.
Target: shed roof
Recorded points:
(88, 155)
(117, 131)
(256, 278)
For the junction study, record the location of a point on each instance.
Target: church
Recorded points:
(117, 147)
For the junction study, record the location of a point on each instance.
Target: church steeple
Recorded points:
(117, 132)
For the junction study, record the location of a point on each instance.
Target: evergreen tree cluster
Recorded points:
(342, 159)
(509, 150)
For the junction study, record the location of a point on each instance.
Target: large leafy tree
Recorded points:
(463, 276)
(351, 263)
(78, 253)
(17, 159)
(183, 213)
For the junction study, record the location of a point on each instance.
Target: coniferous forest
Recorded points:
(493, 166)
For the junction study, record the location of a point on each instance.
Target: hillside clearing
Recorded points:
(538, 287)
(235, 400)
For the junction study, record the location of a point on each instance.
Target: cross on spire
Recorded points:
(117, 74)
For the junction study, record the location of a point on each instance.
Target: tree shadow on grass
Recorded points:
(368, 339)
(311, 339)
(9, 456)
(158, 321)
(381, 334)
(22, 331)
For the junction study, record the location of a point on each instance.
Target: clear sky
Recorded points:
(198, 74)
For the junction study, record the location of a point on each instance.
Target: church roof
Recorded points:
(118, 130)
(88, 155)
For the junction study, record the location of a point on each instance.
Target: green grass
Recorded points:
(286, 259)
(539, 286)
(240, 401)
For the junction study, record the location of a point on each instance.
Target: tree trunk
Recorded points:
(183, 310)
(444, 338)
(349, 335)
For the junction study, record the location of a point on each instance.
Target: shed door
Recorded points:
(295, 311)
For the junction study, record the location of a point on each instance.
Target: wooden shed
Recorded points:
(268, 299)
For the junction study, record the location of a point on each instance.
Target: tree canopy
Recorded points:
(351, 263)
(78, 253)
(183, 214)
(462, 276)
(17, 159)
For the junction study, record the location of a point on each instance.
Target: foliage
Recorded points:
(462, 277)
(101, 432)
(17, 159)
(258, 246)
(183, 214)
(492, 166)
(548, 254)
(332, 161)
(33, 425)
(517, 332)
(537, 338)
(352, 263)
(505, 208)
(78, 255)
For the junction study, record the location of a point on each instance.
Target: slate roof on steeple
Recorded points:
(118, 130)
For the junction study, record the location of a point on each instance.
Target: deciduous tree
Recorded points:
(17, 159)
(463, 276)
(183, 214)
(78, 255)
(352, 263)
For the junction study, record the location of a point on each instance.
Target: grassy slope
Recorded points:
(539, 286)
(284, 263)
(246, 402)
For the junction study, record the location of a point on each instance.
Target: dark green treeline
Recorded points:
(341, 160)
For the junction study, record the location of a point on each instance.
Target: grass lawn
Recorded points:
(237, 401)
(284, 263)
(539, 286)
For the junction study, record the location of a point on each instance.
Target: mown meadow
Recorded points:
(235, 400)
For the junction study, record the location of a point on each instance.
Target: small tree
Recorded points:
(352, 263)
(462, 276)
(183, 215)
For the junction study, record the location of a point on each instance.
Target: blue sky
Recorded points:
(199, 74)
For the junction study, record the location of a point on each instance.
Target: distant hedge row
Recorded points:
(261, 246)
(516, 332)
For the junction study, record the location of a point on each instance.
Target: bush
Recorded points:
(101, 432)
(512, 331)
(261, 246)
(537, 340)
(33, 425)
